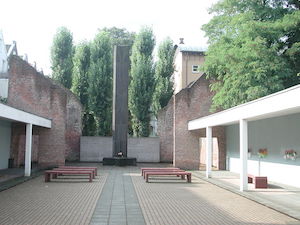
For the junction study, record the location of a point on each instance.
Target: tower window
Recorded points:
(195, 69)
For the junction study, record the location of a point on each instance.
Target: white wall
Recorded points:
(178, 71)
(5, 137)
(144, 149)
(3, 87)
(3, 55)
(277, 135)
(94, 149)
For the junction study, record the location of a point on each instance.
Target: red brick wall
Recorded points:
(165, 132)
(18, 141)
(32, 92)
(190, 103)
(73, 128)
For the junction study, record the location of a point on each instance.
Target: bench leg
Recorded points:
(47, 177)
(250, 180)
(147, 176)
(182, 177)
(189, 178)
(91, 179)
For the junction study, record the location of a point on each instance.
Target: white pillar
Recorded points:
(208, 151)
(243, 155)
(28, 148)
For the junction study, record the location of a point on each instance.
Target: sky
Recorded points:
(33, 23)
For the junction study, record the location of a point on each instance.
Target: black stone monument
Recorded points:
(120, 109)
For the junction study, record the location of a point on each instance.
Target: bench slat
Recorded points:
(57, 172)
(163, 173)
(80, 167)
(169, 170)
(76, 169)
(157, 168)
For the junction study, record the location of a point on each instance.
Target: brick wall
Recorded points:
(190, 103)
(165, 132)
(33, 92)
(73, 128)
(18, 141)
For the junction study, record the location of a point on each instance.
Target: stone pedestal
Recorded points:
(119, 161)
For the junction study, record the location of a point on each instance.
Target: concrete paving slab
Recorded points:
(118, 198)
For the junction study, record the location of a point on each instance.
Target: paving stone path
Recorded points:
(118, 203)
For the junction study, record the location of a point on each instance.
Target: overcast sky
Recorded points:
(33, 23)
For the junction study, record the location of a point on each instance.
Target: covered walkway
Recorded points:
(286, 102)
(9, 114)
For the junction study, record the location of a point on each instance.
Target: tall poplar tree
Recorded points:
(163, 75)
(61, 57)
(254, 49)
(80, 85)
(142, 82)
(100, 83)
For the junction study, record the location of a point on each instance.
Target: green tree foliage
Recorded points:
(120, 36)
(80, 85)
(142, 82)
(81, 62)
(163, 72)
(61, 57)
(100, 83)
(254, 49)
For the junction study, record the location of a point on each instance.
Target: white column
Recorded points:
(28, 148)
(243, 155)
(208, 151)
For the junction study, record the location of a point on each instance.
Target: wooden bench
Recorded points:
(169, 170)
(76, 169)
(80, 167)
(166, 173)
(157, 168)
(55, 173)
(259, 181)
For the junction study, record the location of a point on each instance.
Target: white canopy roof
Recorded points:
(10, 113)
(278, 104)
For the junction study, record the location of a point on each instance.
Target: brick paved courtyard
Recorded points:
(121, 196)
(200, 203)
(69, 201)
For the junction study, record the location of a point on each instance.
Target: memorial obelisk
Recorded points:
(120, 108)
(120, 100)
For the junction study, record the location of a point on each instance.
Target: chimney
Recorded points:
(181, 41)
